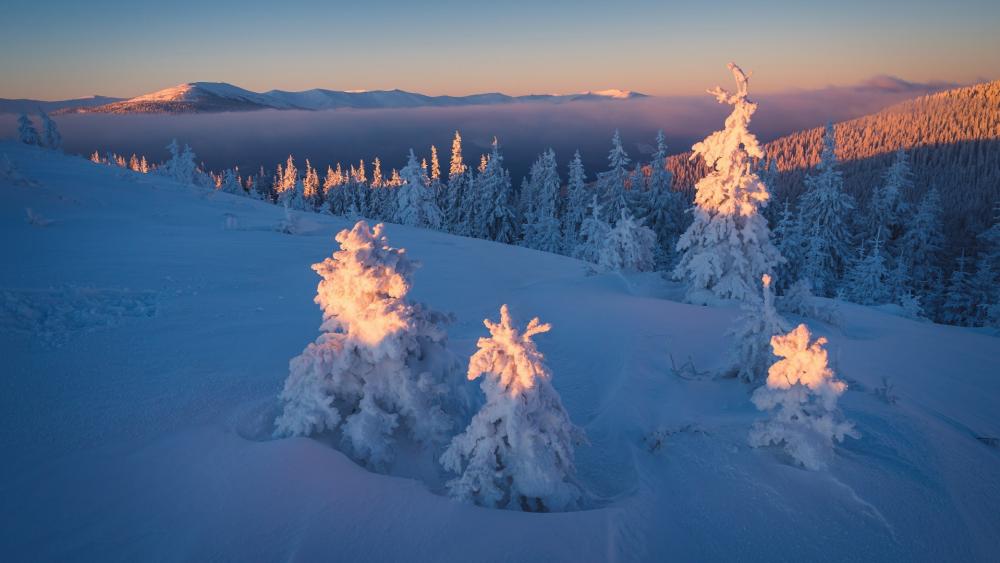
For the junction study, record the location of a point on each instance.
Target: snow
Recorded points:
(146, 333)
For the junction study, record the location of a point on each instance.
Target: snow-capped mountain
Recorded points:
(196, 97)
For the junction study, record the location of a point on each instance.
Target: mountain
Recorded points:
(953, 138)
(146, 328)
(203, 97)
(31, 106)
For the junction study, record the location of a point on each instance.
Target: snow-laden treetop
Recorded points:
(509, 353)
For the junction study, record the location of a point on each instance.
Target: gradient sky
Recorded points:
(65, 49)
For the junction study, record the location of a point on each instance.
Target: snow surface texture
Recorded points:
(149, 438)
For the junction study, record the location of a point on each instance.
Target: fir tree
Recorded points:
(593, 232)
(628, 247)
(26, 131)
(867, 283)
(50, 133)
(578, 198)
(611, 184)
(517, 453)
(541, 228)
(415, 201)
(754, 329)
(727, 248)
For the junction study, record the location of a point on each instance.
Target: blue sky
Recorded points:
(57, 49)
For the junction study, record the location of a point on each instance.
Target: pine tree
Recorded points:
(727, 248)
(435, 165)
(494, 216)
(924, 241)
(50, 133)
(666, 207)
(753, 331)
(456, 166)
(578, 197)
(628, 247)
(826, 210)
(182, 165)
(26, 131)
(377, 173)
(415, 201)
(958, 306)
(311, 188)
(867, 282)
(230, 184)
(541, 228)
(611, 184)
(517, 453)
(886, 208)
(381, 363)
(801, 392)
(593, 232)
(790, 244)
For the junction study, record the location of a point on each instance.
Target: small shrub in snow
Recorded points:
(380, 364)
(517, 453)
(801, 393)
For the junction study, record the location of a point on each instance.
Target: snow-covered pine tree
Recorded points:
(26, 132)
(887, 208)
(51, 137)
(868, 281)
(578, 197)
(182, 165)
(958, 307)
(415, 205)
(666, 207)
(985, 285)
(727, 248)
(825, 209)
(628, 247)
(541, 227)
(789, 242)
(310, 188)
(801, 393)
(611, 184)
(924, 241)
(593, 232)
(517, 453)
(753, 331)
(381, 365)
(494, 217)
(230, 184)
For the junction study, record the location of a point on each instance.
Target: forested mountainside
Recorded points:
(952, 138)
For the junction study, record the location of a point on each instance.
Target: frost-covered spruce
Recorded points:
(753, 332)
(182, 165)
(629, 246)
(415, 204)
(517, 453)
(801, 394)
(26, 132)
(593, 233)
(51, 137)
(727, 248)
(380, 365)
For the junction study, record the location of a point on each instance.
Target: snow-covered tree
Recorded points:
(230, 183)
(182, 165)
(435, 165)
(924, 241)
(958, 307)
(727, 248)
(541, 226)
(51, 137)
(825, 209)
(578, 198)
(789, 242)
(666, 207)
(628, 247)
(456, 166)
(415, 205)
(801, 393)
(886, 208)
(493, 209)
(593, 232)
(868, 281)
(611, 184)
(753, 331)
(380, 366)
(26, 132)
(310, 187)
(517, 453)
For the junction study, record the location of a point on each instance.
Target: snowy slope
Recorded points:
(145, 329)
(219, 96)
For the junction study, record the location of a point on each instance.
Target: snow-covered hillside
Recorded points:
(146, 328)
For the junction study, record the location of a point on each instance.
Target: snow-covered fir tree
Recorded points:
(182, 166)
(924, 242)
(311, 187)
(415, 205)
(868, 282)
(230, 183)
(801, 393)
(26, 132)
(825, 211)
(728, 246)
(789, 242)
(578, 198)
(628, 247)
(380, 366)
(541, 225)
(611, 184)
(517, 453)
(753, 331)
(51, 137)
(958, 307)
(494, 217)
(887, 208)
(593, 232)
(666, 207)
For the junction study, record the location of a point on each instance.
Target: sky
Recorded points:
(67, 49)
